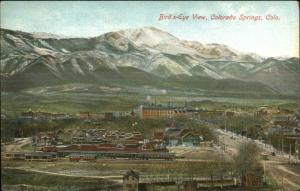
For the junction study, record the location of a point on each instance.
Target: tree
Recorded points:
(247, 159)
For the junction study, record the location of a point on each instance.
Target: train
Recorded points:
(88, 155)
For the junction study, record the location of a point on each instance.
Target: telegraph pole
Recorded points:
(264, 170)
(282, 145)
(282, 183)
(296, 150)
(290, 152)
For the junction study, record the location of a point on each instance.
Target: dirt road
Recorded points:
(16, 145)
(278, 168)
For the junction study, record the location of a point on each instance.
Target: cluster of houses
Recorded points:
(285, 122)
(43, 139)
(44, 115)
(115, 140)
(85, 115)
(97, 136)
(282, 119)
(145, 111)
(106, 115)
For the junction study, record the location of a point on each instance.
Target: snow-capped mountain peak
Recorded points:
(148, 36)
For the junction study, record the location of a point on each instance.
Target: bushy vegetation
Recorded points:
(247, 159)
(246, 125)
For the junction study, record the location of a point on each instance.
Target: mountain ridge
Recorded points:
(147, 49)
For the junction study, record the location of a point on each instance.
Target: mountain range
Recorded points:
(141, 57)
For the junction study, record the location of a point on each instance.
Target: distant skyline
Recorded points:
(93, 18)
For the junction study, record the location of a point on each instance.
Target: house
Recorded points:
(137, 136)
(211, 116)
(173, 141)
(84, 115)
(158, 136)
(148, 147)
(262, 112)
(191, 139)
(108, 116)
(184, 131)
(60, 137)
(27, 115)
(251, 179)
(281, 120)
(131, 181)
(229, 113)
(15, 155)
(172, 136)
(49, 149)
(45, 138)
(60, 116)
(285, 111)
(96, 116)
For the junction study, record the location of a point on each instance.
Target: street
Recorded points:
(285, 172)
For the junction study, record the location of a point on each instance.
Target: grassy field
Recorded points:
(26, 175)
(18, 180)
(118, 167)
(123, 100)
(14, 179)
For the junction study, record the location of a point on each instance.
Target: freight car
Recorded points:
(89, 155)
(31, 156)
(76, 157)
(119, 154)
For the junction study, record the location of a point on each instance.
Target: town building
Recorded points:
(15, 155)
(76, 157)
(251, 179)
(210, 115)
(131, 181)
(109, 116)
(45, 139)
(41, 156)
(191, 139)
(172, 136)
(84, 115)
(165, 111)
(261, 112)
(154, 111)
(229, 113)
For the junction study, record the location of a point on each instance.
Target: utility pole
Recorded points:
(282, 145)
(290, 152)
(297, 155)
(264, 170)
(225, 123)
(282, 183)
(296, 151)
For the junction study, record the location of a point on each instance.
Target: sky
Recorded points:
(93, 18)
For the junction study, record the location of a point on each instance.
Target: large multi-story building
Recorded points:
(167, 111)
(160, 111)
(152, 111)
